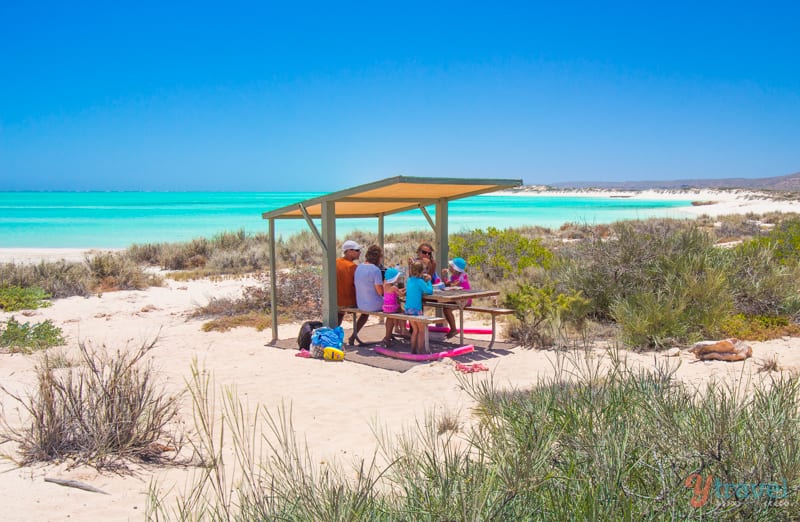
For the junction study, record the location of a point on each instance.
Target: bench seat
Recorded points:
(422, 319)
(426, 319)
(489, 310)
(494, 313)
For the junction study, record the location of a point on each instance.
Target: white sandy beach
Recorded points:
(335, 405)
(715, 202)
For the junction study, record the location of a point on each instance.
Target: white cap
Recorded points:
(350, 245)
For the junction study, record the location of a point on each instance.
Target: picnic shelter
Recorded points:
(374, 200)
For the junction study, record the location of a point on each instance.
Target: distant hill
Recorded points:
(788, 183)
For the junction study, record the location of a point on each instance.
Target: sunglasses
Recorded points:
(426, 252)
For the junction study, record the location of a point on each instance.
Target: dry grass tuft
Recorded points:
(102, 412)
(769, 364)
(448, 422)
(256, 320)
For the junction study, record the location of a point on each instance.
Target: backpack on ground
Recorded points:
(304, 336)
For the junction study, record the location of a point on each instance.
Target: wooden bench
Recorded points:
(424, 320)
(494, 313)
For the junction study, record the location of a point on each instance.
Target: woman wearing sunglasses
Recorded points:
(425, 255)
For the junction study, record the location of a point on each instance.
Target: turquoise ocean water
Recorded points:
(119, 219)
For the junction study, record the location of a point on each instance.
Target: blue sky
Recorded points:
(320, 96)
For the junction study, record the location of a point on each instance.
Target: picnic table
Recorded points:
(450, 298)
(458, 298)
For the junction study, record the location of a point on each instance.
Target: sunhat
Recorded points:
(458, 264)
(350, 245)
(391, 275)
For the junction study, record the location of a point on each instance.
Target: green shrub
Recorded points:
(147, 253)
(14, 298)
(651, 320)
(27, 337)
(663, 282)
(639, 256)
(763, 280)
(686, 299)
(758, 327)
(499, 254)
(785, 240)
(543, 314)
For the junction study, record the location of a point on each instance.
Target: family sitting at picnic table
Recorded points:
(372, 288)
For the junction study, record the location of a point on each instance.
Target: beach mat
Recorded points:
(372, 335)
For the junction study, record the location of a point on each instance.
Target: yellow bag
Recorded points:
(330, 353)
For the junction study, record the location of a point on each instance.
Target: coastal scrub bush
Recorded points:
(300, 292)
(736, 227)
(27, 337)
(662, 281)
(59, 279)
(499, 254)
(299, 295)
(115, 271)
(14, 298)
(544, 315)
(758, 327)
(229, 240)
(175, 256)
(784, 240)
(146, 253)
(763, 281)
(231, 252)
(635, 257)
(106, 409)
(687, 298)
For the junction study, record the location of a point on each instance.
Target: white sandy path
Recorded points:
(335, 405)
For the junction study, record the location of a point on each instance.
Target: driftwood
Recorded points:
(726, 350)
(74, 484)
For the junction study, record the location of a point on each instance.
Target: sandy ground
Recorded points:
(335, 406)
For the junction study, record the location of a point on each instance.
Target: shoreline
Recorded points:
(31, 255)
(714, 203)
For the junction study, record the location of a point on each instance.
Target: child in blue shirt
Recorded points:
(418, 284)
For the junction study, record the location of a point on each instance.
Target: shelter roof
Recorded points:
(390, 196)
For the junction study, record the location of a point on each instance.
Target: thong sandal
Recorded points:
(353, 340)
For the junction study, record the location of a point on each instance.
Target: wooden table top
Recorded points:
(451, 295)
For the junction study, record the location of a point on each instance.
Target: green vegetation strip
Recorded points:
(591, 442)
